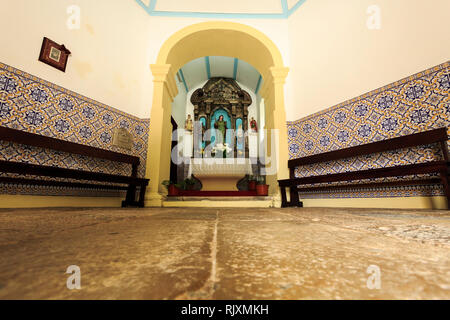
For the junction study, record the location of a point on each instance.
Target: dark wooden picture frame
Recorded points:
(54, 54)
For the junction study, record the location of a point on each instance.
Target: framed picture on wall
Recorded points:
(54, 54)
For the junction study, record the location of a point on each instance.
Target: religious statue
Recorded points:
(189, 126)
(203, 129)
(240, 131)
(253, 125)
(240, 140)
(202, 137)
(221, 126)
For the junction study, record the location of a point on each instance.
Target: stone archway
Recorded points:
(215, 39)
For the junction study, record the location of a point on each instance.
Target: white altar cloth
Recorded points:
(220, 167)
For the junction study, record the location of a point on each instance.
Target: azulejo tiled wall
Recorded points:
(34, 105)
(415, 104)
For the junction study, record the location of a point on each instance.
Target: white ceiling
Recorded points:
(195, 72)
(264, 9)
(228, 6)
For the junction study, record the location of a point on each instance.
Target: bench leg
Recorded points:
(446, 185)
(284, 202)
(295, 201)
(141, 202)
(130, 198)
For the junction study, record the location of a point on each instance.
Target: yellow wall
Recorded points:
(28, 201)
(387, 203)
(335, 57)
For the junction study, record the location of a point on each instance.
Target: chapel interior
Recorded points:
(223, 150)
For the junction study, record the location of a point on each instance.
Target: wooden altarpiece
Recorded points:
(222, 94)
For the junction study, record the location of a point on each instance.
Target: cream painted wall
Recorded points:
(335, 57)
(332, 55)
(112, 51)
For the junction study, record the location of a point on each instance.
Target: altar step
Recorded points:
(188, 193)
(218, 202)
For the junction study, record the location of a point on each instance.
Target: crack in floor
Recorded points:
(213, 277)
(208, 289)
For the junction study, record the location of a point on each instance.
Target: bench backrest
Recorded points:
(412, 140)
(36, 140)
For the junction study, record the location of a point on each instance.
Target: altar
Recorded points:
(218, 139)
(220, 174)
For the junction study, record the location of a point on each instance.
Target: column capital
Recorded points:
(279, 74)
(160, 70)
(276, 75)
(164, 73)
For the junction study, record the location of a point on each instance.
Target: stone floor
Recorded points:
(224, 253)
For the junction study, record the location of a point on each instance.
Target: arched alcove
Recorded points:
(216, 39)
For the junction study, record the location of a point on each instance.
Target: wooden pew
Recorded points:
(119, 182)
(436, 136)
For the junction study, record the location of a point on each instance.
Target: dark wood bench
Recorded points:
(114, 182)
(437, 136)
